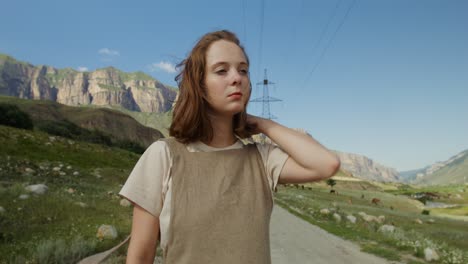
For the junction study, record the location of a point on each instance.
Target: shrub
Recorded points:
(57, 251)
(425, 212)
(11, 115)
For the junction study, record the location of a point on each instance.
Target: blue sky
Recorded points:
(385, 79)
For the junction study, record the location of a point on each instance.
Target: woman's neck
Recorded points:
(223, 135)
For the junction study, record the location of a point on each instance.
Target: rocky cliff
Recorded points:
(104, 87)
(365, 168)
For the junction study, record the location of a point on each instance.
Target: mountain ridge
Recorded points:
(109, 86)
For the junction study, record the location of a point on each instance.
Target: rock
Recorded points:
(37, 188)
(325, 211)
(369, 218)
(387, 229)
(430, 254)
(76, 173)
(381, 219)
(2, 210)
(106, 232)
(362, 214)
(56, 168)
(69, 167)
(81, 204)
(351, 219)
(23, 197)
(418, 221)
(70, 190)
(125, 203)
(29, 170)
(431, 221)
(337, 217)
(62, 173)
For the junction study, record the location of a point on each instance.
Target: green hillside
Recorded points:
(83, 180)
(119, 128)
(454, 173)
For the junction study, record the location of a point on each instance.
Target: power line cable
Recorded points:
(329, 43)
(260, 47)
(243, 16)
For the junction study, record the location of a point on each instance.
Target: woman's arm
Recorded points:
(143, 242)
(308, 161)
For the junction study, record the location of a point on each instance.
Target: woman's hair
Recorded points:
(190, 120)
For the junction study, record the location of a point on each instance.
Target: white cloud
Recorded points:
(109, 52)
(164, 66)
(82, 69)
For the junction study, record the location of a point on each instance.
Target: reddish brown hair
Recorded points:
(190, 120)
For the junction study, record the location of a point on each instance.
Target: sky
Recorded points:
(387, 79)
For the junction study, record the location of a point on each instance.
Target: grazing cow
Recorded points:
(375, 201)
(332, 191)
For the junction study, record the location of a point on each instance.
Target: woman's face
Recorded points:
(226, 78)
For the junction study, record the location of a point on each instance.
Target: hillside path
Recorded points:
(295, 241)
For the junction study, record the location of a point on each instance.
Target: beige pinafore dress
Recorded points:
(220, 208)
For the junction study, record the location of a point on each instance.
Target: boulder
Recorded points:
(351, 219)
(387, 229)
(37, 188)
(106, 232)
(337, 217)
(430, 254)
(381, 219)
(81, 204)
(125, 203)
(324, 211)
(369, 218)
(23, 197)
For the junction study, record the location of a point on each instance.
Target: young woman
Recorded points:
(203, 193)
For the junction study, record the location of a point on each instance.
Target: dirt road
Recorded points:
(295, 241)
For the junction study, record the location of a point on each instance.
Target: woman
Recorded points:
(203, 193)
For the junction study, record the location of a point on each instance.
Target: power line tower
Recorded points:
(266, 98)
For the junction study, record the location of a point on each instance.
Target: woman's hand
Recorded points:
(258, 124)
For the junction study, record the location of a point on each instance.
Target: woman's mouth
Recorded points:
(236, 95)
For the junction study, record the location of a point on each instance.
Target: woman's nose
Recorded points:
(236, 77)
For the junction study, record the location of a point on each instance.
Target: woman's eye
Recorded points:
(244, 71)
(222, 71)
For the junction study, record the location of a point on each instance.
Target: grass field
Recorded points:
(448, 236)
(61, 225)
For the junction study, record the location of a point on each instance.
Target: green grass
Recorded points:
(31, 227)
(447, 234)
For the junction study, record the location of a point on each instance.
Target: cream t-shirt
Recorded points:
(149, 183)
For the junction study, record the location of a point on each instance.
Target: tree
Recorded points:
(331, 182)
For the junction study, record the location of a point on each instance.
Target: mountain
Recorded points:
(48, 115)
(451, 171)
(364, 168)
(109, 86)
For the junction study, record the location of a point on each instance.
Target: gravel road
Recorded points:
(295, 241)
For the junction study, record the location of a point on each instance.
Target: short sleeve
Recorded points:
(274, 159)
(144, 186)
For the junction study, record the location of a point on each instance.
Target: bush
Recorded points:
(425, 212)
(57, 251)
(11, 115)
